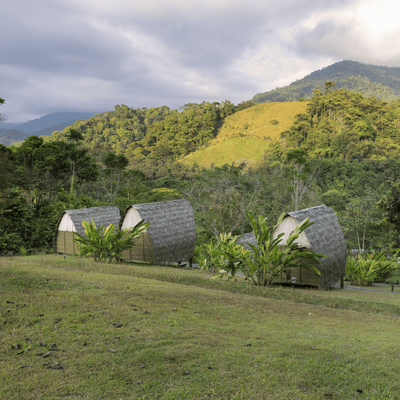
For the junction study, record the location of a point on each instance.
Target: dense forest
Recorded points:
(342, 152)
(370, 80)
(157, 133)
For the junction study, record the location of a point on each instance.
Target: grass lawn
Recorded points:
(74, 329)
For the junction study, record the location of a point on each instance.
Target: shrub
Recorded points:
(107, 244)
(224, 256)
(366, 269)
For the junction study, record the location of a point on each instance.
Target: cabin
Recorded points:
(70, 222)
(170, 237)
(325, 236)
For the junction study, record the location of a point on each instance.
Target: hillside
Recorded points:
(247, 134)
(370, 80)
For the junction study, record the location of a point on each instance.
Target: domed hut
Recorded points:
(70, 222)
(325, 236)
(170, 237)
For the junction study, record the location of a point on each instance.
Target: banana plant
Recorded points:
(230, 256)
(268, 261)
(224, 256)
(107, 244)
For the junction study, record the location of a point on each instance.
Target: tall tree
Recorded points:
(300, 175)
(115, 165)
(44, 168)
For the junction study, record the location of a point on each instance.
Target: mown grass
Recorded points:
(183, 336)
(248, 134)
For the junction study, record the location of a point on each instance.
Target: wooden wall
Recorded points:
(66, 244)
(142, 251)
(304, 276)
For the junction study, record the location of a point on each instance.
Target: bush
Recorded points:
(107, 244)
(366, 269)
(224, 256)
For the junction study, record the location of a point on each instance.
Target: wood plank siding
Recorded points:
(66, 244)
(142, 251)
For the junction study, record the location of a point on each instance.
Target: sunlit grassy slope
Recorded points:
(248, 133)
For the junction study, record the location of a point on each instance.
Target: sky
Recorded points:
(89, 55)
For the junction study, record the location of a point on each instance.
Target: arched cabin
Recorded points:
(170, 237)
(70, 222)
(325, 236)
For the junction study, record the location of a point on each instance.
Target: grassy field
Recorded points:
(248, 133)
(74, 329)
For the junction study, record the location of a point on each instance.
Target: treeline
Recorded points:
(370, 80)
(157, 133)
(345, 125)
(42, 180)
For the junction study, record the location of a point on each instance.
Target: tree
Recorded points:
(45, 168)
(300, 175)
(221, 197)
(7, 173)
(115, 166)
(75, 137)
(2, 116)
(361, 221)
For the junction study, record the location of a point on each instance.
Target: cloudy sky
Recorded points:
(88, 55)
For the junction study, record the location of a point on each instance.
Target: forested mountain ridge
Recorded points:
(335, 123)
(158, 133)
(370, 80)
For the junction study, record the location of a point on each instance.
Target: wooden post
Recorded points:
(341, 282)
(191, 262)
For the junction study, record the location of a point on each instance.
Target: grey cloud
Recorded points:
(68, 55)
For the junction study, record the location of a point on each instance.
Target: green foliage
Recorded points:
(368, 268)
(157, 133)
(344, 125)
(45, 168)
(335, 199)
(269, 261)
(107, 244)
(220, 198)
(224, 256)
(363, 223)
(274, 122)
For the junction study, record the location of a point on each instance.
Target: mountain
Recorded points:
(370, 80)
(43, 126)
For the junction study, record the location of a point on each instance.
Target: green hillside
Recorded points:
(157, 133)
(248, 134)
(370, 80)
(334, 124)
